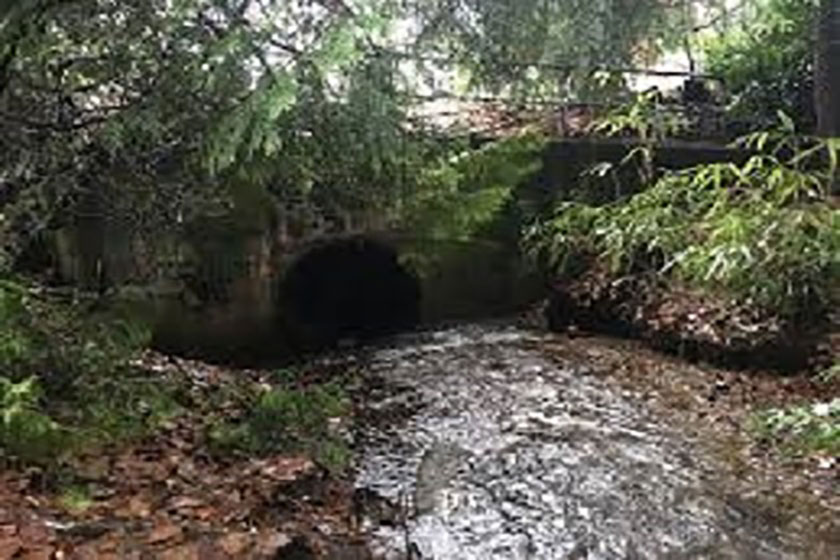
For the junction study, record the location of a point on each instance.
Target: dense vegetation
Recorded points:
(68, 379)
(763, 231)
(766, 60)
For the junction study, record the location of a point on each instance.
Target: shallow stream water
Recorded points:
(481, 447)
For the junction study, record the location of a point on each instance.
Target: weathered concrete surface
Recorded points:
(455, 280)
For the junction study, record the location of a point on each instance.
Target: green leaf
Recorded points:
(787, 123)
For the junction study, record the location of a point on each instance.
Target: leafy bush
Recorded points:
(765, 62)
(763, 232)
(61, 342)
(285, 419)
(812, 427)
(647, 121)
(124, 406)
(67, 382)
(76, 498)
(26, 432)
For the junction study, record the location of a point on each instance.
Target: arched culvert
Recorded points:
(353, 288)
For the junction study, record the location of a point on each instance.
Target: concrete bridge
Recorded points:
(347, 287)
(274, 296)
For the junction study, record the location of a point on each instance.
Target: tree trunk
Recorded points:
(827, 69)
(827, 74)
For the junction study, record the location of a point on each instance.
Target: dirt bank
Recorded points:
(690, 324)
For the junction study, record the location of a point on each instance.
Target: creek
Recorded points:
(474, 444)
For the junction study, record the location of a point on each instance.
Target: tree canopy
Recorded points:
(153, 113)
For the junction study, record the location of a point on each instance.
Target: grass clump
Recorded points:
(830, 374)
(76, 499)
(809, 428)
(285, 419)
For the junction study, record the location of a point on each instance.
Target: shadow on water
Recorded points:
(358, 289)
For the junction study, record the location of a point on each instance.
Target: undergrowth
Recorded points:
(66, 381)
(830, 374)
(764, 232)
(69, 387)
(289, 419)
(808, 428)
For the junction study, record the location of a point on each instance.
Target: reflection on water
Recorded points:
(501, 454)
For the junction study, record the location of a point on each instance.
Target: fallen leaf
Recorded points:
(235, 544)
(270, 543)
(287, 469)
(164, 532)
(8, 531)
(34, 533)
(108, 545)
(38, 553)
(188, 551)
(108, 556)
(95, 468)
(139, 507)
(185, 502)
(208, 550)
(9, 546)
(205, 513)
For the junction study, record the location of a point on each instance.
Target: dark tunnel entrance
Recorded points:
(350, 289)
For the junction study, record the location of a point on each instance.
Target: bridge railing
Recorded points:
(699, 100)
(499, 117)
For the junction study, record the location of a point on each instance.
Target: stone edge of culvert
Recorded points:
(689, 324)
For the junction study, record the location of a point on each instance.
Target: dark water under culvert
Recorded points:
(476, 446)
(355, 288)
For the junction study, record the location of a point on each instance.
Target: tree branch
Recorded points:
(21, 26)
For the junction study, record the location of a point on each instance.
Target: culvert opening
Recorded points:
(350, 289)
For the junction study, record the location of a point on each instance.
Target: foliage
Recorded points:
(68, 383)
(645, 120)
(27, 433)
(149, 118)
(763, 231)
(89, 92)
(284, 419)
(766, 60)
(812, 427)
(346, 163)
(830, 374)
(144, 115)
(63, 343)
(149, 114)
(122, 407)
(76, 498)
(463, 192)
(555, 47)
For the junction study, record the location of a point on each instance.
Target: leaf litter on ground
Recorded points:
(173, 496)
